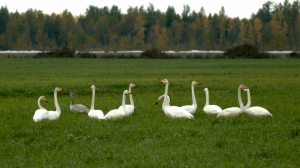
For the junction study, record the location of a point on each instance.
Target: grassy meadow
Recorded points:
(148, 138)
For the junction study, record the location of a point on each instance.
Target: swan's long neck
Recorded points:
(39, 103)
(248, 99)
(56, 102)
(166, 102)
(240, 100)
(207, 98)
(130, 97)
(72, 101)
(123, 103)
(193, 96)
(93, 99)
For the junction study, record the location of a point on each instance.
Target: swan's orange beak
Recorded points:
(134, 85)
(60, 89)
(161, 81)
(46, 100)
(129, 92)
(197, 83)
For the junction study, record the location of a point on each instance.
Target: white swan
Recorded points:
(53, 115)
(173, 111)
(192, 108)
(40, 113)
(255, 110)
(210, 109)
(234, 111)
(77, 107)
(130, 107)
(117, 113)
(94, 113)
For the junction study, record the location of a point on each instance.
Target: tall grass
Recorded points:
(148, 138)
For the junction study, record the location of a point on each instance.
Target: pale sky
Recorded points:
(233, 8)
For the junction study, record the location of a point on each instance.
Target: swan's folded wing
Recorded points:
(230, 112)
(40, 114)
(79, 108)
(189, 108)
(96, 114)
(258, 111)
(177, 112)
(212, 109)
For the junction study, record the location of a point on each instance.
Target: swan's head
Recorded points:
(44, 99)
(205, 90)
(165, 81)
(131, 85)
(93, 87)
(126, 92)
(195, 83)
(242, 87)
(72, 93)
(58, 89)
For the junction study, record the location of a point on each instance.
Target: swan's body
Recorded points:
(210, 109)
(117, 113)
(173, 111)
(234, 111)
(40, 113)
(77, 107)
(53, 115)
(255, 110)
(94, 113)
(192, 108)
(129, 107)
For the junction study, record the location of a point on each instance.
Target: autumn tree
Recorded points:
(242, 34)
(257, 28)
(279, 30)
(139, 30)
(250, 34)
(177, 32)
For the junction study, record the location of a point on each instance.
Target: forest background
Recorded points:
(273, 27)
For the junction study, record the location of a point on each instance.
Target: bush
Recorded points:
(87, 55)
(63, 53)
(245, 51)
(294, 55)
(154, 54)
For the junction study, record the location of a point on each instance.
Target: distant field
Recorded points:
(148, 138)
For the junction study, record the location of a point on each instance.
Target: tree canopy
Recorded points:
(272, 27)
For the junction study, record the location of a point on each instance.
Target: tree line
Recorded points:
(272, 27)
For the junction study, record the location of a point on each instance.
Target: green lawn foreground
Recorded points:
(148, 138)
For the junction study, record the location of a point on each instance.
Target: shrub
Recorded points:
(294, 55)
(63, 53)
(87, 55)
(245, 51)
(154, 54)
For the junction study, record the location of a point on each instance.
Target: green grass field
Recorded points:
(148, 138)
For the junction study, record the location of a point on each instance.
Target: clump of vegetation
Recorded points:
(154, 54)
(87, 55)
(245, 51)
(58, 53)
(295, 55)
